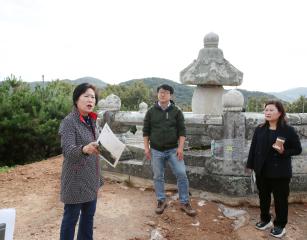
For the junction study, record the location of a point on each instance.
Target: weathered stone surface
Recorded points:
(223, 172)
(211, 68)
(197, 141)
(135, 139)
(294, 118)
(225, 167)
(210, 72)
(303, 117)
(193, 118)
(301, 131)
(233, 101)
(215, 132)
(196, 158)
(213, 119)
(299, 164)
(143, 107)
(229, 185)
(106, 116)
(130, 118)
(299, 183)
(207, 100)
(234, 125)
(111, 103)
(205, 173)
(252, 120)
(197, 130)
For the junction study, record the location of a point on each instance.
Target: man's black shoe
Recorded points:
(161, 206)
(187, 208)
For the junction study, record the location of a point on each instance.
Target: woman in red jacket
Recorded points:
(273, 144)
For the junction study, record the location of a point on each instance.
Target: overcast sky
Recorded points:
(119, 40)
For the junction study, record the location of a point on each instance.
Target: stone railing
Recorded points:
(223, 172)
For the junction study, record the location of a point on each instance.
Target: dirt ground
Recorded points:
(124, 212)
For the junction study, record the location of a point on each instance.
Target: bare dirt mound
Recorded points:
(123, 212)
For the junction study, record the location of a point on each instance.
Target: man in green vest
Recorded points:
(164, 136)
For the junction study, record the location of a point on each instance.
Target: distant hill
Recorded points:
(291, 95)
(183, 93)
(95, 81)
(247, 94)
(37, 83)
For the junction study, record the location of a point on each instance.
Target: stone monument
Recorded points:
(210, 72)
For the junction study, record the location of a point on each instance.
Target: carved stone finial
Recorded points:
(211, 40)
(233, 101)
(111, 103)
(143, 107)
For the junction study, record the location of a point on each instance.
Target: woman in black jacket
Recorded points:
(271, 161)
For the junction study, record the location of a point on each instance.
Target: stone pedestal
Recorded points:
(207, 99)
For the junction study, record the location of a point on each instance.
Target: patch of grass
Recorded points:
(5, 169)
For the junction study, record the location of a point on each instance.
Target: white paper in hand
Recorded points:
(110, 147)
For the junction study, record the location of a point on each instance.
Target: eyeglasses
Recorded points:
(164, 92)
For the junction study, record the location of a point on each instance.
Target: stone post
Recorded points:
(143, 107)
(234, 120)
(234, 125)
(106, 110)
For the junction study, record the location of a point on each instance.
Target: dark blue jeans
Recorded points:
(159, 158)
(70, 219)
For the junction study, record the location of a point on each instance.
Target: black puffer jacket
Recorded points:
(277, 165)
(163, 127)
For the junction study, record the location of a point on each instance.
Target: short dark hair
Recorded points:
(282, 118)
(82, 88)
(166, 87)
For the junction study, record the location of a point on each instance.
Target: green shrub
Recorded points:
(30, 120)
